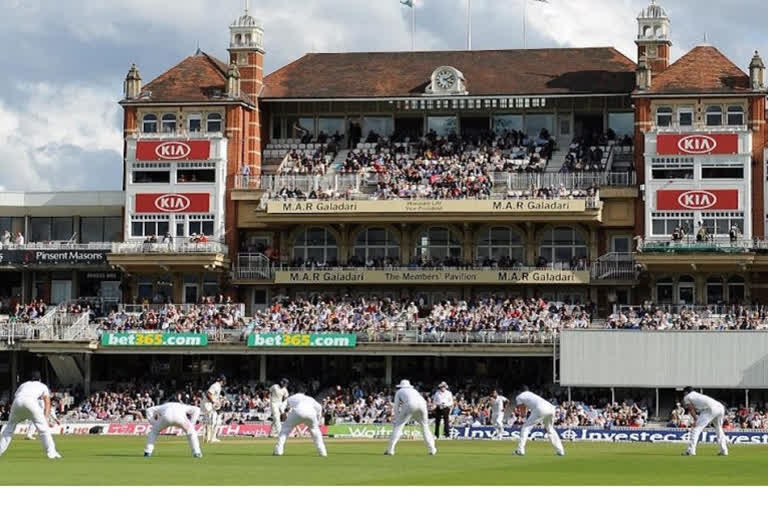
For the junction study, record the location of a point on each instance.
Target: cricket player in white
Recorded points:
(211, 405)
(498, 405)
(409, 404)
(302, 410)
(31, 430)
(278, 394)
(173, 414)
(705, 410)
(26, 406)
(541, 411)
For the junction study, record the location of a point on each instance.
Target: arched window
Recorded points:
(647, 31)
(169, 123)
(437, 244)
(735, 115)
(315, 245)
(149, 123)
(500, 244)
(376, 244)
(213, 123)
(714, 115)
(562, 246)
(736, 290)
(664, 116)
(715, 292)
(665, 291)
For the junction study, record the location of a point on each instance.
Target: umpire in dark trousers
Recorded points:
(443, 400)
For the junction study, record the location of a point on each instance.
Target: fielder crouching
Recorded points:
(173, 415)
(302, 410)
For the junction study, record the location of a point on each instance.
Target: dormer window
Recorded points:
(715, 115)
(194, 123)
(149, 123)
(169, 123)
(664, 116)
(735, 115)
(685, 116)
(214, 123)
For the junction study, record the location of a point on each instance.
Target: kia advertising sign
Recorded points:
(173, 150)
(697, 200)
(697, 144)
(172, 203)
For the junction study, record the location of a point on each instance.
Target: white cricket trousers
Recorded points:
(704, 419)
(498, 423)
(277, 425)
(28, 409)
(547, 417)
(301, 416)
(173, 419)
(211, 421)
(421, 417)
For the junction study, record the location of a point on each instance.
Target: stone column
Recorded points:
(263, 368)
(87, 376)
(388, 370)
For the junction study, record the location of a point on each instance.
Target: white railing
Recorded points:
(721, 243)
(614, 266)
(60, 245)
(79, 329)
(254, 266)
(174, 247)
(575, 180)
(182, 308)
(695, 129)
(178, 135)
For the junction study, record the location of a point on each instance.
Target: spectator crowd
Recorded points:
(658, 318)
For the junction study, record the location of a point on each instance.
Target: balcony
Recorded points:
(178, 255)
(699, 128)
(715, 254)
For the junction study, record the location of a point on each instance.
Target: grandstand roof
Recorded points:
(559, 71)
(703, 70)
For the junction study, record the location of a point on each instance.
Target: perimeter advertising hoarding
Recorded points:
(312, 207)
(522, 276)
(60, 257)
(154, 339)
(697, 144)
(302, 340)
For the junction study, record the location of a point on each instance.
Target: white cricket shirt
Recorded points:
(33, 389)
(701, 402)
(215, 391)
(277, 394)
(497, 404)
(409, 398)
(443, 398)
(533, 401)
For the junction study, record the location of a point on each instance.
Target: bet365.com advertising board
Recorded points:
(302, 340)
(154, 339)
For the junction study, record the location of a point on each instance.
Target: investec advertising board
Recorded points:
(575, 434)
(524, 276)
(302, 340)
(154, 339)
(428, 206)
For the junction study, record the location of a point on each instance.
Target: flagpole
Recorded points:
(469, 24)
(413, 28)
(525, 22)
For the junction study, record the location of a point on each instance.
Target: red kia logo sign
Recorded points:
(173, 150)
(697, 144)
(172, 203)
(697, 200)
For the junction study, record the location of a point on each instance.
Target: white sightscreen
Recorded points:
(649, 359)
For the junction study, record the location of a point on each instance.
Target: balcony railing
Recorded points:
(698, 128)
(176, 135)
(182, 308)
(614, 267)
(688, 244)
(61, 245)
(174, 247)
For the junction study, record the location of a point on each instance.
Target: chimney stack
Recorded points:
(132, 84)
(757, 72)
(643, 74)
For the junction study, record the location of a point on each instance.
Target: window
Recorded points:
(442, 125)
(63, 228)
(100, 229)
(12, 224)
(664, 116)
(149, 225)
(621, 244)
(383, 126)
(39, 229)
(437, 244)
(686, 289)
(672, 168)
(722, 172)
(315, 245)
(299, 127)
(507, 123)
(714, 115)
(376, 244)
(151, 176)
(735, 115)
(562, 245)
(622, 123)
(720, 223)
(685, 116)
(200, 224)
(736, 290)
(664, 223)
(715, 291)
(169, 123)
(196, 176)
(502, 245)
(214, 123)
(330, 125)
(665, 289)
(149, 123)
(535, 123)
(194, 123)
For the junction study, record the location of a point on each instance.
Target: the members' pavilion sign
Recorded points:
(315, 207)
(424, 276)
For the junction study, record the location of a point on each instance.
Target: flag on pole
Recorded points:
(407, 3)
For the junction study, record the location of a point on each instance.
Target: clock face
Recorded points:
(445, 79)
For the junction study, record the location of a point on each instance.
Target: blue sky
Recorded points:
(64, 62)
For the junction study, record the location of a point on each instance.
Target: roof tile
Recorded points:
(703, 70)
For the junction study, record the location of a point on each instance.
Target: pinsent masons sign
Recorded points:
(151, 150)
(294, 340)
(697, 144)
(53, 257)
(154, 339)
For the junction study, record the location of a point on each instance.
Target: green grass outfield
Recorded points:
(119, 461)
